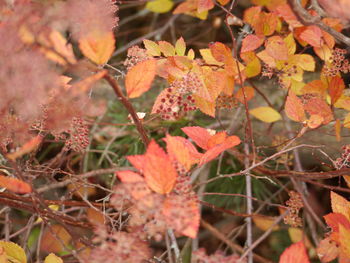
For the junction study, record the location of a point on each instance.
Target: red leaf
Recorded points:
(15, 185)
(182, 151)
(296, 253)
(199, 135)
(212, 153)
(251, 42)
(140, 77)
(335, 219)
(327, 250)
(336, 88)
(160, 175)
(138, 161)
(294, 108)
(312, 35)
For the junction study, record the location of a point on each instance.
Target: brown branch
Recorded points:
(129, 108)
(308, 19)
(229, 243)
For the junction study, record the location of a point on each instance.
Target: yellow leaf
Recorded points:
(265, 114)
(98, 47)
(296, 235)
(14, 252)
(347, 121)
(344, 237)
(160, 6)
(52, 258)
(152, 47)
(340, 205)
(305, 61)
(205, 106)
(264, 223)
(180, 47)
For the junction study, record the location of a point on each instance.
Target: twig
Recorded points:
(308, 19)
(229, 243)
(129, 108)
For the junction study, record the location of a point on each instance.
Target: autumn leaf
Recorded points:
(312, 35)
(182, 213)
(318, 106)
(251, 42)
(151, 47)
(15, 185)
(265, 223)
(344, 237)
(139, 78)
(249, 93)
(277, 48)
(160, 6)
(204, 5)
(182, 151)
(56, 239)
(52, 258)
(336, 87)
(327, 250)
(13, 252)
(294, 108)
(296, 253)
(180, 47)
(266, 114)
(160, 175)
(213, 143)
(28, 147)
(98, 47)
(340, 205)
(166, 48)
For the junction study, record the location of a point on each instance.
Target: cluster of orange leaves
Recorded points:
(160, 186)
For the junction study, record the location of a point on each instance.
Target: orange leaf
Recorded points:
(327, 250)
(337, 128)
(204, 105)
(314, 121)
(182, 151)
(98, 47)
(336, 88)
(251, 42)
(26, 148)
(15, 185)
(340, 205)
(318, 106)
(220, 52)
(56, 239)
(277, 48)
(160, 175)
(140, 77)
(334, 220)
(294, 108)
(129, 177)
(295, 253)
(213, 152)
(312, 35)
(204, 5)
(249, 93)
(138, 161)
(199, 135)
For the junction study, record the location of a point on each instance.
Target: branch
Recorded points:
(129, 108)
(308, 19)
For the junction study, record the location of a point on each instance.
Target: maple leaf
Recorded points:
(213, 144)
(296, 253)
